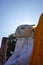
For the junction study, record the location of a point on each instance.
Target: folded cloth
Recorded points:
(37, 55)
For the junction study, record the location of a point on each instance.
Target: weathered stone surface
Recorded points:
(3, 50)
(24, 46)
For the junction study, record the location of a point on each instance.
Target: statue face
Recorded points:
(24, 31)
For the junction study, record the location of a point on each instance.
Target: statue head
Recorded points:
(24, 31)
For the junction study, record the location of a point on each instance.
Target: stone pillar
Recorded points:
(3, 50)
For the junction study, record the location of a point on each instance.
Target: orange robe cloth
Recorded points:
(37, 56)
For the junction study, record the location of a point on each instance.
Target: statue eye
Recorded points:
(21, 30)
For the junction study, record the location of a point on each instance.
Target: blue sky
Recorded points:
(16, 12)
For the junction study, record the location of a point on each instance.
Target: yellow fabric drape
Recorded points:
(37, 56)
